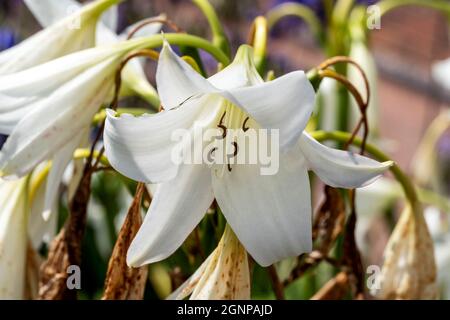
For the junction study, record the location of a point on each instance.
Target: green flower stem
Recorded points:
(181, 39)
(220, 39)
(297, 10)
(406, 183)
(260, 31)
(388, 5)
(431, 198)
(342, 10)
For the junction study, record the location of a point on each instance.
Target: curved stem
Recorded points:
(220, 39)
(296, 10)
(258, 39)
(181, 39)
(159, 19)
(406, 183)
(388, 5)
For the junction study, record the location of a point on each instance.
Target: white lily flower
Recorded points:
(225, 274)
(425, 162)
(48, 12)
(13, 238)
(271, 215)
(73, 33)
(70, 89)
(440, 72)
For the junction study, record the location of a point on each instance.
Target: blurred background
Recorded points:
(410, 40)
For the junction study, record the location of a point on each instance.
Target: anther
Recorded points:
(244, 127)
(210, 155)
(221, 126)
(236, 149)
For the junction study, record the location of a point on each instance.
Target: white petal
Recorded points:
(176, 80)
(44, 79)
(189, 285)
(341, 169)
(177, 207)
(56, 119)
(285, 104)
(141, 147)
(13, 238)
(227, 276)
(270, 214)
(47, 12)
(39, 230)
(59, 164)
(61, 38)
(240, 73)
(18, 108)
(111, 18)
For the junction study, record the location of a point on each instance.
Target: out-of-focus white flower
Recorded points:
(424, 163)
(360, 53)
(71, 34)
(441, 73)
(270, 214)
(372, 200)
(74, 31)
(225, 275)
(13, 238)
(46, 110)
(48, 12)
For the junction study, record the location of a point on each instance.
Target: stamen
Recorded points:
(229, 167)
(236, 149)
(221, 126)
(210, 155)
(244, 127)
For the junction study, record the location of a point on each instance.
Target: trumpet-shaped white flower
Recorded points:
(71, 34)
(225, 274)
(271, 215)
(13, 238)
(48, 12)
(70, 89)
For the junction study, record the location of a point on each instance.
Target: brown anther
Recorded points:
(236, 149)
(221, 126)
(229, 167)
(211, 153)
(244, 127)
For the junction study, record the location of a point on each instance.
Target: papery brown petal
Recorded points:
(335, 289)
(409, 269)
(123, 282)
(65, 249)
